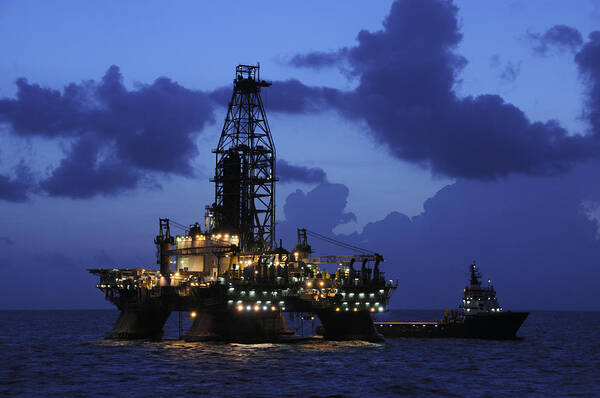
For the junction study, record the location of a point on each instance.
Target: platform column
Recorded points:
(263, 326)
(135, 324)
(344, 325)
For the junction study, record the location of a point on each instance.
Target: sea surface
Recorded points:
(63, 353)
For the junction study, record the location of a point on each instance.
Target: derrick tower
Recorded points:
(245, 168)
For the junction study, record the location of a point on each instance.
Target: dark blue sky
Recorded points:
(433, 132)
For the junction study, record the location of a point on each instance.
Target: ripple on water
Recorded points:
(70, 358)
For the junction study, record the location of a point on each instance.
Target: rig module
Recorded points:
(230, 274)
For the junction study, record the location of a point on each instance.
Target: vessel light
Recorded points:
(193, 314)
(240, 307)
(273, 308)
(337, 309)
(256, 307)
(355, 309)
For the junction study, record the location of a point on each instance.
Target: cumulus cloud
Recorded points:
(407, 72)
(320, 210)
(287, 173)
(119, 135)
(558, 37)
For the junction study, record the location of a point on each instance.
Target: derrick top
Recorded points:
(247, 78)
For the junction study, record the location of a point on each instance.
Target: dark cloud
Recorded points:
(288, 173)
(588, 61)
(318, 59)
(407, 73)
(12, 190)
(558, 37)
(82, 174)
(120, 135)
(16, 188)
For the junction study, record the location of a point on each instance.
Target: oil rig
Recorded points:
(230, 274)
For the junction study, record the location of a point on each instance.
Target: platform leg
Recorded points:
(263, 326)
(345, 325)
(134, 325)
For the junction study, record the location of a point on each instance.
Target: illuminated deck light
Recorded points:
(193, 314)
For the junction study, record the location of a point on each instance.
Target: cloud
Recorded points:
(7, 241)
(558, 37)
(320, 210)
(287, 173)
(120, 136)
(406, 76)
(16, 188)
(588, 61)
(510, 72)
(592, 212)
(319, 59)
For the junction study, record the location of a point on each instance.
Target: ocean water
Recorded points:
(62, 353)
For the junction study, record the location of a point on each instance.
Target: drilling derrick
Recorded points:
(230, 276)
(245, 168)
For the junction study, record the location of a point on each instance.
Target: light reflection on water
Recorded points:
(62, 353)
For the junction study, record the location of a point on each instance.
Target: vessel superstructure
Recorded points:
(478, 316)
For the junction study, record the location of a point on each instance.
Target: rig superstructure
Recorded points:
(230, 273)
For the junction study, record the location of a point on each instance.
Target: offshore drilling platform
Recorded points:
(230, 274)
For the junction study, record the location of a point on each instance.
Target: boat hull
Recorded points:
(497, 326)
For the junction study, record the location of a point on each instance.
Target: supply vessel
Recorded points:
(479, 316)
(230, 274)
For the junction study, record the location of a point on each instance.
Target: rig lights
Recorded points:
(309, 284)
(321, 283)
(193, 314)
(256, 307)
(240, 307)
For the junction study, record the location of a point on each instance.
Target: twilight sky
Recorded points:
(433, 132)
